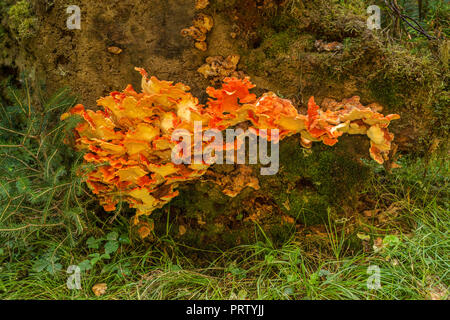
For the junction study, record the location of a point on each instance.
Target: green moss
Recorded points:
(22, 20)
(384, 91)
(206, 200)
(283, 22)
(3, 52)
(254, 61)
(324, 167)
(277, 44)
(441, 114)
(310, 182)
(337, 175)
(307, 207)
(444, 54)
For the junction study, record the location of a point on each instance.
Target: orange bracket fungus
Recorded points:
(130, 140)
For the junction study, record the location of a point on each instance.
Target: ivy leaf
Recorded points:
(53, 268)
(95, 258)
(44, 264)
(112, 236)
(105, 256)
(111, 246)
(93, 243)
(85, 265)
(40, 265)
(124, 239)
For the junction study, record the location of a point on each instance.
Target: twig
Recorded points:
(392, 5)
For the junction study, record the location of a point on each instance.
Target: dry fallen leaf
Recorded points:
(436, 289)
(181, 230)
(331, 46)
(200, 220)
(144, 232)
(114, 50)
(145, 229)
(99, 289)
(377, 244)
(288, 219)
(371, 213)
(389, 213)
(287, 205)
(319, 231)
(395, 165)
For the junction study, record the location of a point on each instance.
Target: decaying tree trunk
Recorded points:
(296, 49)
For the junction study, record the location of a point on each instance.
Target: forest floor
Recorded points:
(403, 255)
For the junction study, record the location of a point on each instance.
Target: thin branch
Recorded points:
(392, 5)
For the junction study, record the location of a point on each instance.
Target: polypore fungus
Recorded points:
(218, 68)
(201, 4)
(202, 24)
(130, 140)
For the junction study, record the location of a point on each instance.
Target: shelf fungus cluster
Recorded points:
(201, 4)
(218, 68)
(130, 141)
(202, 24)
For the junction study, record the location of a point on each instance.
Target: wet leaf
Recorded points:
(181, 230)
